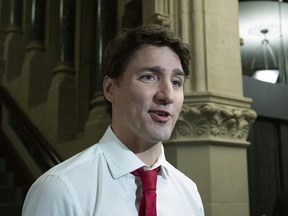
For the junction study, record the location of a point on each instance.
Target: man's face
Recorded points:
(147, 100)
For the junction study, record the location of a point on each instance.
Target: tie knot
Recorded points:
(148, 178)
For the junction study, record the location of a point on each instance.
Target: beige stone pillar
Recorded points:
(209, 141)
(61, 102)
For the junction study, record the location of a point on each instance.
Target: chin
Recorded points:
(162, 136)
(159, 133)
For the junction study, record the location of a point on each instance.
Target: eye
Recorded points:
(177, 82)
(149, 77)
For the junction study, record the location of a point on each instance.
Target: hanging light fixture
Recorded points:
(268, 71)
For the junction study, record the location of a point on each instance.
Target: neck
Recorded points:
(151, 155)
(145, 151)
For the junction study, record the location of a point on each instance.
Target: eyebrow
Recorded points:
(158, 69)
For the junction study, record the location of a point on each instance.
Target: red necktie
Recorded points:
(149, 181)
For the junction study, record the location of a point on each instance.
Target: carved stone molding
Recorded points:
(212, 121)
(161, 19)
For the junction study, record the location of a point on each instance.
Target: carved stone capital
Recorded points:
(211, 121)
(160, 19)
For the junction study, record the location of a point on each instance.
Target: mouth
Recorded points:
(160, 116)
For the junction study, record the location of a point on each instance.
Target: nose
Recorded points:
(165, 93)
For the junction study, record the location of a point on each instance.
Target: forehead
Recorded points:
(148, 50)
(150, 55)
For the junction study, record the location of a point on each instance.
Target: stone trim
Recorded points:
(213, 121)
(161, 19)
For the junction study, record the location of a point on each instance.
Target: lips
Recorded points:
(160, 116)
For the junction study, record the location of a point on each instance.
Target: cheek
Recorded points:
(179, 103)
(140, 102)
(131, 100)
(142, 95)
(180, 99)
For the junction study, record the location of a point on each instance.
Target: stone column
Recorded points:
(15, 21)
(13, 45)
(209, 141)
(104, 29)
(2, 33)
(36, 82)
(62, 92)
(37, 25)
(66, 32)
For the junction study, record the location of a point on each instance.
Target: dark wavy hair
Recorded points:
(122, 48)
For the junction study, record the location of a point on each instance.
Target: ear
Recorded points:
(108, 88)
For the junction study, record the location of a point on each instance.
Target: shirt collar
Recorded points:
(122, 160)
(163, 163)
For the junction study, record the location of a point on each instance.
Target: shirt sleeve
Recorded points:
(51, 196)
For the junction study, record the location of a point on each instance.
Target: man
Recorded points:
(145, 69)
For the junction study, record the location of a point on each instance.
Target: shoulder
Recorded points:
(85, 158)
(62, 186)
(73, 170)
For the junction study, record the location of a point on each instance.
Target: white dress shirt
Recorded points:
(98, 182)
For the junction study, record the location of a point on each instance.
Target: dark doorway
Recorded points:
(268, 152)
